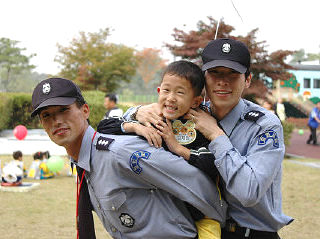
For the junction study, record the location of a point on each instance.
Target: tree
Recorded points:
(12, 61)
(298, 56)
(96, 64)
(263, 65)
(149, 64)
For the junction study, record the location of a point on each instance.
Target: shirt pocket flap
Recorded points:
(113, 202)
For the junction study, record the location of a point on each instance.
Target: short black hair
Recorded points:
(111, 97)
(17, 154)
(188, 70)
(38, 155)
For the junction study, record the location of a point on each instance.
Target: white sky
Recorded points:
(40, 24)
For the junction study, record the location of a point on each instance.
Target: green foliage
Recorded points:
(287, 131)
(12, 61)
(16, 109)
(95, 64)
(315, 99)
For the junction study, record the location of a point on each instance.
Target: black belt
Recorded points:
(232, 226)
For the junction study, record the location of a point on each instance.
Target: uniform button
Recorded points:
(151, 190)
(113, 208)
(113, 229)
(99, 206)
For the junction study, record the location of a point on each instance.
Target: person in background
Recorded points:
(34, 169)
(14, 171)
(313, 124)
(110, 103)
(280, 110)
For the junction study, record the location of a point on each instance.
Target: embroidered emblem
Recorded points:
(103, 143)
(269, 134)
(226, 48)
(126, 220)
(184, 133)
(46, 88)
(134, 160)
(253, 115)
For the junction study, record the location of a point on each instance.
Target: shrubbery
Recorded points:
(16, 108)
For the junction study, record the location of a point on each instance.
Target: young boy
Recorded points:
(180, 89)
(13, 172)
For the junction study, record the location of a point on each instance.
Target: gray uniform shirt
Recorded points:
(249, 159)
(138, 191)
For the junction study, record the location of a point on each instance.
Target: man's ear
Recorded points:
(248, 81)
(197, 101)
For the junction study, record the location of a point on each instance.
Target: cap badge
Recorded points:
(46, 88)
(226, 48)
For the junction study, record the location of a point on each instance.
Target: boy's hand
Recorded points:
(205, 123)
(149, 115)
(165, 130)
(149, 133)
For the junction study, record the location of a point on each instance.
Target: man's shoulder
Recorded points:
(259, 115)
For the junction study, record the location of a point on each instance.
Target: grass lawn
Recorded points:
(49, 210)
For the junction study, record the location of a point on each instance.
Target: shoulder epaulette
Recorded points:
(103, 143)
(253, 115)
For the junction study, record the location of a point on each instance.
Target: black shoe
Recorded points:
(316, 144)
(308, 142)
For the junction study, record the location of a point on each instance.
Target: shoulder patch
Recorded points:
(103, 143)
(269, 134)
(253, 115)
(135, 158)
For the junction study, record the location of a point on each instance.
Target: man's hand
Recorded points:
(205, 123)
(149, 114)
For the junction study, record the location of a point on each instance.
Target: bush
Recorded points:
(287, 131)
(16, 109)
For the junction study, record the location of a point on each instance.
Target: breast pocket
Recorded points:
(118, 213)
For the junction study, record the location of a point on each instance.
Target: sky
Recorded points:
(39, 25)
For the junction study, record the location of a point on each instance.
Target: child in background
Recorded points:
(13, 172)
(34, 170)
(180, 89)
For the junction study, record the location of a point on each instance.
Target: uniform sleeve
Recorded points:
(129, 112)
(163, 170)
(248, 177)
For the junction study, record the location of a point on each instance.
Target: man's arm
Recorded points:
(163, 170)
(118, 126)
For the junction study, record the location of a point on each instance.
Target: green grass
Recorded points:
(49, 210)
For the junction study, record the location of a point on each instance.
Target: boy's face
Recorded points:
(176, 96)
(65, 125)
(224, 87)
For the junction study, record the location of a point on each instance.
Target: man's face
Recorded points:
(176, 96)
(108, 104)
(224, 87)
(65, 125)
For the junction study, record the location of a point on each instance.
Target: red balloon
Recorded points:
(20, 132)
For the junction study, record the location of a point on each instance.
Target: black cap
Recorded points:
(228, 53)
(54, 91)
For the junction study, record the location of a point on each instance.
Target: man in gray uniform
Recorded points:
(137, 191)
(246, 140)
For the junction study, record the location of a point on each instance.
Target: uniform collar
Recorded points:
(230, 120)
(85, 150)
